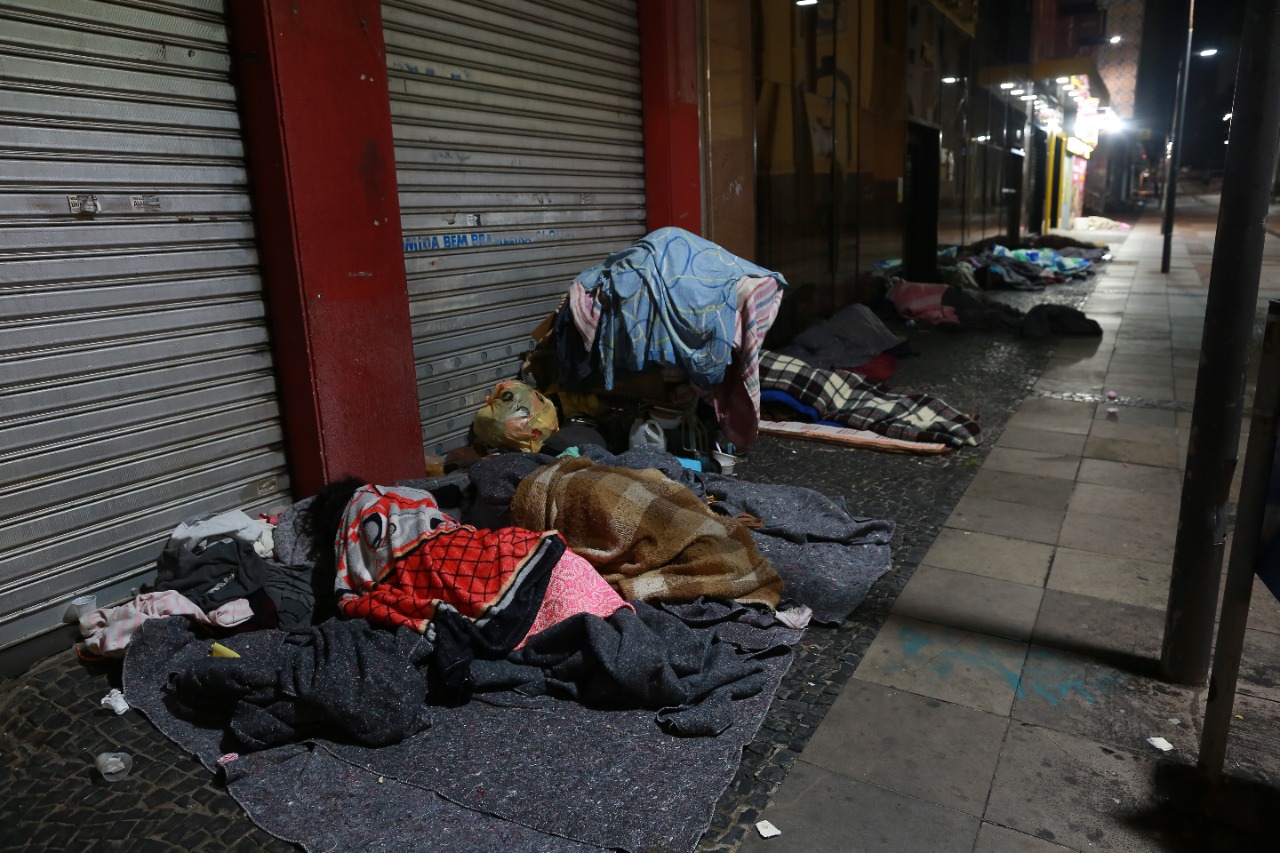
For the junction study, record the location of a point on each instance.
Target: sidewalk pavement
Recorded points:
(1003, 706)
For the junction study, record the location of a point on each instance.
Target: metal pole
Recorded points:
(964, 168)
(1224, 350)
(1254, 486)
(1175, 155)
(1166, 224)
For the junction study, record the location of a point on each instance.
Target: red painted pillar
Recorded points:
(313, 89)
(672, 132)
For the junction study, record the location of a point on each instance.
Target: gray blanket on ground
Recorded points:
(516, 769)
(340, 679)
(852, 336)
(649, 658)
(827, 558)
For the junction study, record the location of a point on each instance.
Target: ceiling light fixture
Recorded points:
(1007, 85)
(950, 80)
(1209, 51)
(1114, 39)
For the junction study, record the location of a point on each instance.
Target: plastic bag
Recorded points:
(515, 417)
(113, 766)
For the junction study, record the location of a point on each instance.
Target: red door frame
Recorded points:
(317, 123)
(669, 81)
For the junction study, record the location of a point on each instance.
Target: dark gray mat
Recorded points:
(305, 795)
(506, 771)
(827, 558)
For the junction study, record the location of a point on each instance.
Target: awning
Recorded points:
(1050, 69)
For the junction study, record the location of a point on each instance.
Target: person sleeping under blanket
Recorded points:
(436, 611)
(399, 560)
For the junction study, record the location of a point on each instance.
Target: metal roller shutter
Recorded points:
(136, 383)
(519, 153)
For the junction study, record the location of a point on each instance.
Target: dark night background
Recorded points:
(1218, 24)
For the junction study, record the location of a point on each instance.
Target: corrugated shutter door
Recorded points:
(136, 383)
(519, 151)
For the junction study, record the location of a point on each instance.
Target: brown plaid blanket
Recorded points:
(847, 398)
(651, 538)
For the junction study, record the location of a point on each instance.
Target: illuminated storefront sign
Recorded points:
(1079, 147)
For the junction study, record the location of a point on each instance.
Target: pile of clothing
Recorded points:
(1016, 268)
(672, 300)
(220, 571)
(1033, 264)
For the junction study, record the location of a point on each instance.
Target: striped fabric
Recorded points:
(846, 398)
(737, 400)
(651, 538)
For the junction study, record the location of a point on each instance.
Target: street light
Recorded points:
(1175, 147)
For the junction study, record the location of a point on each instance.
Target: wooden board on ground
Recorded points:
(849, 437)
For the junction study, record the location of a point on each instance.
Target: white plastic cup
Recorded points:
(80, 606)
(726, 461)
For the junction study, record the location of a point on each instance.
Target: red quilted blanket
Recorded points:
(400, 559)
